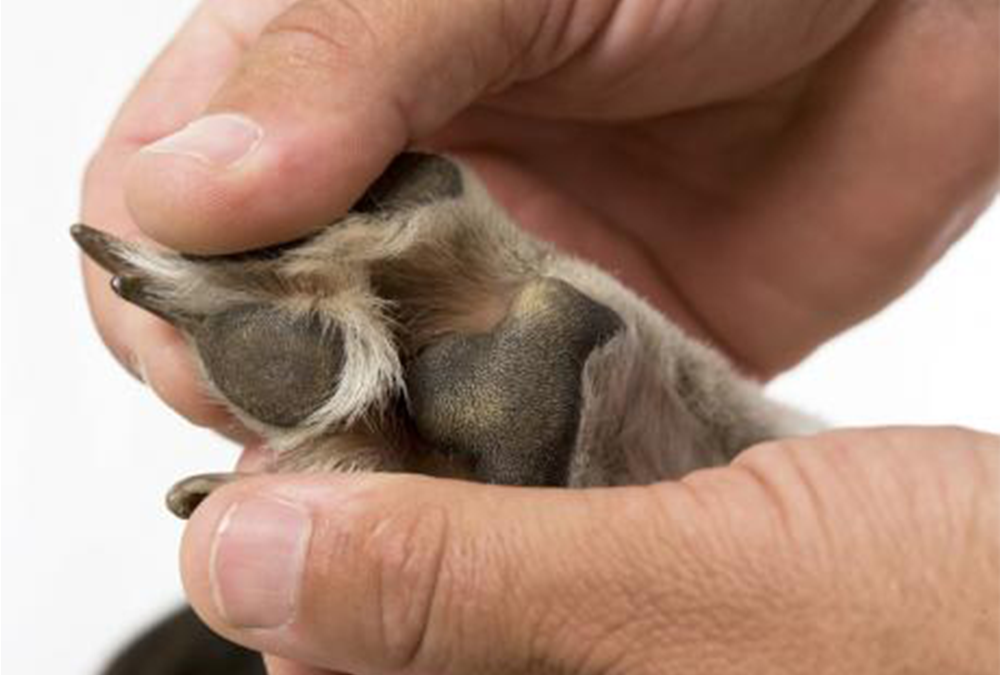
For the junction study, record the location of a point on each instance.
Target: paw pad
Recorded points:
(277, 366)
(510, 399)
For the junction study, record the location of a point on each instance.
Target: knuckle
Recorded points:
(787, 478)
(322, 35)
(409, 549)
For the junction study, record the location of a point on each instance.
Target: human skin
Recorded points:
(766, 176)
(855, 552)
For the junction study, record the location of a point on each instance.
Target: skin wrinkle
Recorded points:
(569, 41)
(626, 632)
(316, 46)
(710, 22)
(804, 477)
(688, 23)
(678, 622)
(683, 619)
(570, 636)
(405, 644)
(416, 108)
(597, 625)
(564, 30)
(480, 60)
(543, 623)
(325, 21)
(515, 51)
(773, 495)
(517, 64)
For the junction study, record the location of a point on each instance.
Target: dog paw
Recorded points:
(424, 331)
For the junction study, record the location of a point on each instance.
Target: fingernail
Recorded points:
(220, 141)
(257, 562)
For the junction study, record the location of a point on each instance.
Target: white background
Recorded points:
(88, 549)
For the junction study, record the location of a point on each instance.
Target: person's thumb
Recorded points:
(778, 562)
(382, 573)
(323, 99)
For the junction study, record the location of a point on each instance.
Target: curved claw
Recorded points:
(104, 249)
(185, 496)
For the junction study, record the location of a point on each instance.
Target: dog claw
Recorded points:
(186, 495)
(102, 248)
(136, 291)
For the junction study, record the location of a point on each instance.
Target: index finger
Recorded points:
(175, 89)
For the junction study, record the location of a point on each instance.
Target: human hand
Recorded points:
(856, 552)
(767, 178)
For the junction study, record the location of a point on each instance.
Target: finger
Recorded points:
(387, 577)
(391, 574)
(320, 103)
(757, 566)
(173, 90)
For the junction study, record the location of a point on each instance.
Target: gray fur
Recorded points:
(426, 286)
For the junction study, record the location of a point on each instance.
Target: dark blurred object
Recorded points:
(182, 645)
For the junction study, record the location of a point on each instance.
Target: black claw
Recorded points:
(186, 495)
(125, 288)
(137, 291)
(102, 248)
(183, 505)
(131, 289)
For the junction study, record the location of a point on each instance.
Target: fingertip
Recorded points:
(210, 188)
(186, 205)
